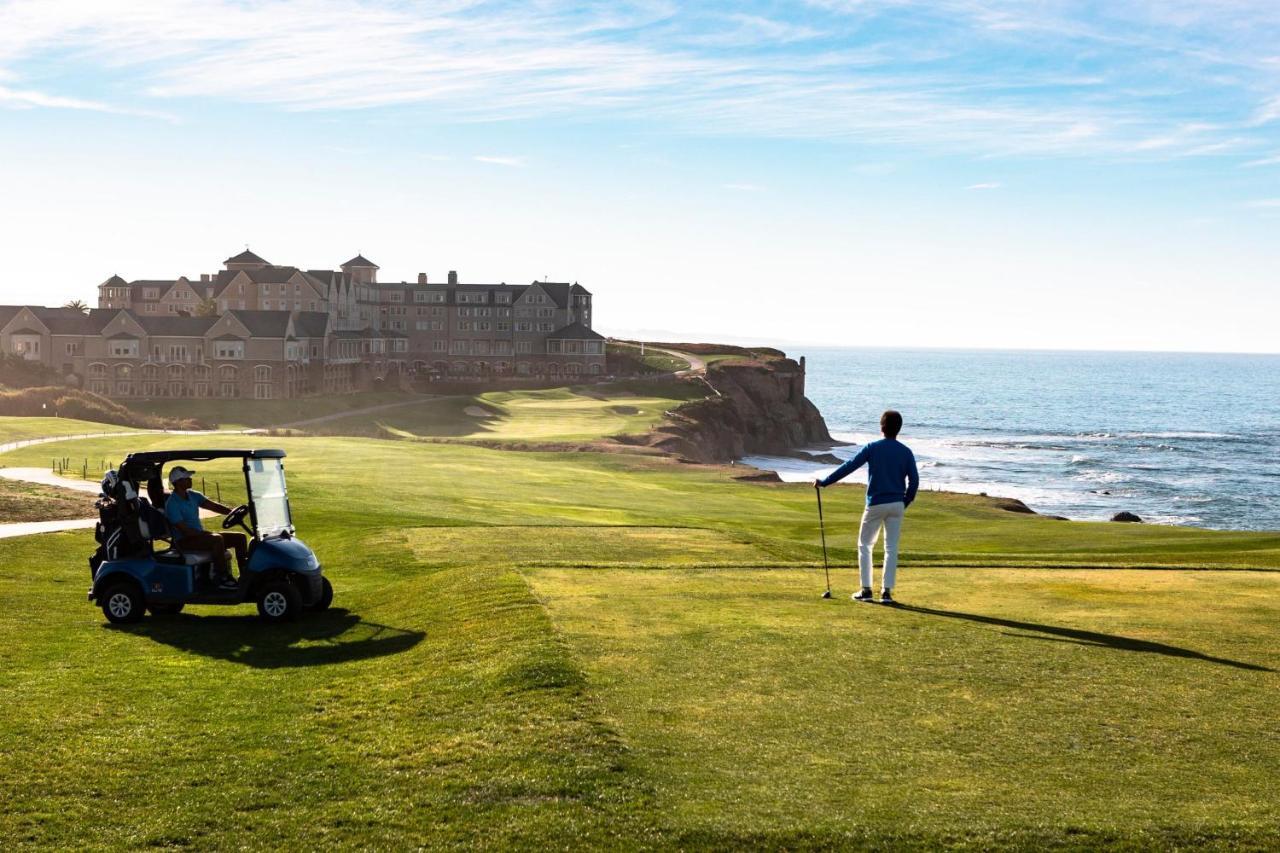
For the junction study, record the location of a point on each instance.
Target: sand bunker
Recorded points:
(478, 412)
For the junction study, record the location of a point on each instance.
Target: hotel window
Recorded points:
(73, 349)
(437, 297)
(503, 327)
(228, 349)
(439, 346)
(420, 296)
(504, 312)
(553, 346)
(573, 346)
(483, 326)
(502, 297)
(397, 325)
(150, 293)
(464, 312)
(124, 349)
(177, 352)
(464, 326)
(524, 326)
(546, 312)
(459, 347)
(523, 346)
(480, 347)
(484, 312)
(546, 327)
(397, 296)
(437, 312)
(592, 347)
(399, 345)
(502, 347)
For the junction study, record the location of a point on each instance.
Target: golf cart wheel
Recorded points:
(165, 609)
(279, 601)
(326, 596)
(122, 603)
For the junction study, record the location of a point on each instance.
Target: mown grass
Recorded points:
(550, 415)
(603, 650)
(651, 360)
(266, 413)
(20, 428)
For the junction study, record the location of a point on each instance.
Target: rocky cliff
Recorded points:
(756, 406)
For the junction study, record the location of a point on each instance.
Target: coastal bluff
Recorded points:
(756, 404)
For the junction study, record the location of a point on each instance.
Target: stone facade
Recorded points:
(261, 331)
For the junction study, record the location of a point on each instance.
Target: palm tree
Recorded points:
(77, 305)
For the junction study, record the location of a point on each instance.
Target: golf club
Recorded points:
(817, 490)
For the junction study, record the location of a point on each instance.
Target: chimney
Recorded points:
(205, 278)
(422, 278)
(453, 276)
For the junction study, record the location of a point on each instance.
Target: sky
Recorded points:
(942, 173)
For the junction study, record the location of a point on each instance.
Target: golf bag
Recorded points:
(127, 523)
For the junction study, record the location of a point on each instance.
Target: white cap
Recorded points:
(177, 472)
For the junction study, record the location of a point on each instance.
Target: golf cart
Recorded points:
(132, 574)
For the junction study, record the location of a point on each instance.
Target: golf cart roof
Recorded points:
(159, 457)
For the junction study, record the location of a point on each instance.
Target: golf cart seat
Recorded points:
(186, 558)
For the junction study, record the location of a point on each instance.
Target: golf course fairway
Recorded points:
(588, 649)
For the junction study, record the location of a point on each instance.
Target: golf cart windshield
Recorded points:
(267, 492)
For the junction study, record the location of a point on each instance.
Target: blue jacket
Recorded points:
(890, 465)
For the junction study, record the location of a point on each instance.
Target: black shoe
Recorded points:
(864, 595)
(886, 597)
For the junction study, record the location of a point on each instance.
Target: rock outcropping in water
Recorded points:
(754, 407)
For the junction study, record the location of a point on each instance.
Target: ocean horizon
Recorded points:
(1179, 438)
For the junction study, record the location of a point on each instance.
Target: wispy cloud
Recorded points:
(1273, 160)
(990, 185)
(952, 74)
(498, 160)
(30, 99)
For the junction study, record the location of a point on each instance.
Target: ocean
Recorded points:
(1178, 438)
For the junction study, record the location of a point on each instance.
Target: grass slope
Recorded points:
(21, 428)
(266, 413)
(573, 650)
(551, 415)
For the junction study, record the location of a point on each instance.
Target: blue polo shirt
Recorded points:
(891, 472)
(185, 511)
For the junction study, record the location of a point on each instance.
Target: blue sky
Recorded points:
(858, 172)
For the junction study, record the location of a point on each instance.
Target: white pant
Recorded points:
(888, 516)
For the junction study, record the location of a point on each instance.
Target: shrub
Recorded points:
(83, 405)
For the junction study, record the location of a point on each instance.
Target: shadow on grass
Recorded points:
(315, 639)
(1084, 638)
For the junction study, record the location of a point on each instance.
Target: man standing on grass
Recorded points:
(892, 482)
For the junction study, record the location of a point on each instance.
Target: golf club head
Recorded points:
(827, 594)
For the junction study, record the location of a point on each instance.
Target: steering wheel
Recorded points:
(236, 516)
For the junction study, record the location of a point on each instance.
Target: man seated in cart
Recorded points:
(182, 509)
